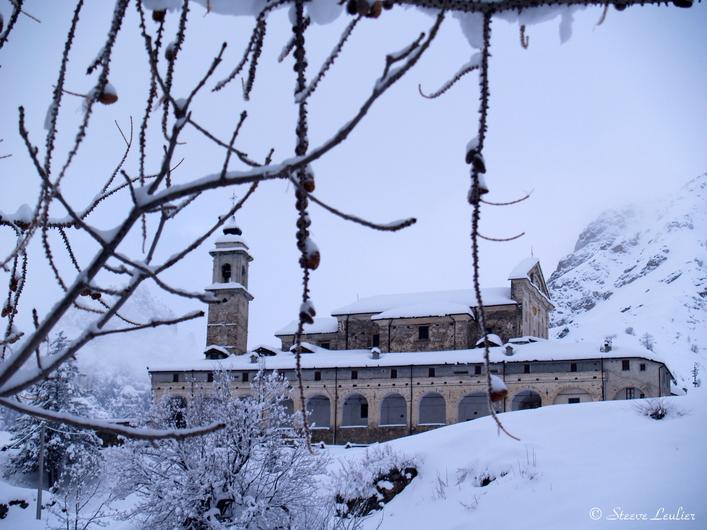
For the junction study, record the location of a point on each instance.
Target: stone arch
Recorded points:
(473, 405)
(432, 409)
(354, 411)
(630, 392)
(572, 395)
(526, 398)
(318, 407)
(393, 410)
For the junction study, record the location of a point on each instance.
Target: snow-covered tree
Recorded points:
(83, 505)
(70, 454)
(256, 473)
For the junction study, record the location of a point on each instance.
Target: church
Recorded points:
(388, 366)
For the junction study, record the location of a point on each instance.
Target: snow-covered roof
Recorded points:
(225, 285)
(432, 299)
(232, 240)
(231, 235)
(212, 347)
(543, 350)
(432, 309)
(493, 339)
(320, 325)
(521, 270)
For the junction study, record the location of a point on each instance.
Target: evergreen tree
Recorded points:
(70, 454)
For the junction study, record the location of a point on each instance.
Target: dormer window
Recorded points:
(226, 273)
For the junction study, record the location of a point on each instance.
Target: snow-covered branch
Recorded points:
(105, 426)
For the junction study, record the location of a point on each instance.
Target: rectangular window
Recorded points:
(625, 365)
(573, 367)
(210, 377)
(430, 372)
(175, 378)
(317, 376)
(354, 374)
(376, 340)
(245, 377)
(573, 400)
(643, 367)
(477, 369)
(423, 332)
(630, 393)
(526, 368)
(364, 410)
(326, 345)
(393, 373)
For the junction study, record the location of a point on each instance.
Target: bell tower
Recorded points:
(227, 327)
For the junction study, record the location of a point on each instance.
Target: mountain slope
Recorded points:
(640, 274)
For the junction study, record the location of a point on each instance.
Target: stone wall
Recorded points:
(433, 395)
(535, 307)
(227, 324)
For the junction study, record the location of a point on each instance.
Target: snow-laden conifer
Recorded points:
(70, 454)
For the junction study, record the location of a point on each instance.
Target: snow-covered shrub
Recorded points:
(366, 484)
(256, 473)
(658, 408)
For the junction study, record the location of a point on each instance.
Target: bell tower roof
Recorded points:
(231, 228)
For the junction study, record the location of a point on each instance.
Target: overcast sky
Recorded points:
(614, 115)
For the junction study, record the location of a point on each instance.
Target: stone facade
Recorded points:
(391, 366)
(362, 404)
(523, 309)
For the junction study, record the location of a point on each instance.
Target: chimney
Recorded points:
(509, 350)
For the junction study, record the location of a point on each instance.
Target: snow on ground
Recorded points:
(573, 462)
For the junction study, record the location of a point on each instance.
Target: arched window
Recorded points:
(473, 405)
(354, 411)
(318, 407)
(526, 399)
(433, 409)
(394, 410)
(226, 272)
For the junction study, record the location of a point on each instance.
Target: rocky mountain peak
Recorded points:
(639, 273)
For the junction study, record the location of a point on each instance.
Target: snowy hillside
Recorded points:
(576, 467)
(640, 274)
